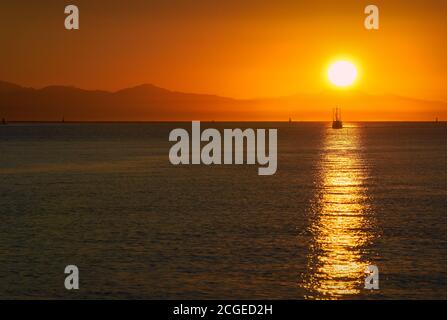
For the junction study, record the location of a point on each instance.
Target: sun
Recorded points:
(342, 73)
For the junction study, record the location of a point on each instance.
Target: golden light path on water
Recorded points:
(340, 221)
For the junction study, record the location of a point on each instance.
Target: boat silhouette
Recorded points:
(337, 123)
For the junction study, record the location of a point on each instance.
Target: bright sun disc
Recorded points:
(342, 73)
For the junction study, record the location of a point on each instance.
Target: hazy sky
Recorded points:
(231, 48)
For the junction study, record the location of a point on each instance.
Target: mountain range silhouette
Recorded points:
(151, 103)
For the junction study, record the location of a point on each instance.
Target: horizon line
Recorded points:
(215, 121)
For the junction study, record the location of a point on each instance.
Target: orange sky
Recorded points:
(240, 49)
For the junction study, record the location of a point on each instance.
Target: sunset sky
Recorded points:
(241, 49)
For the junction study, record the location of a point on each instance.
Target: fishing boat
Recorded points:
(337, 123)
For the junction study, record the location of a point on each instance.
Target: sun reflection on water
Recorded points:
(340, 221)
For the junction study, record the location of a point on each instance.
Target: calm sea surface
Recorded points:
(105, 197)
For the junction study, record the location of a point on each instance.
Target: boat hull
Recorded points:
(337, 125)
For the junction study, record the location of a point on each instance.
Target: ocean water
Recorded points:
(105, 197)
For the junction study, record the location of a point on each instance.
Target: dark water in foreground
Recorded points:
(105, 198)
